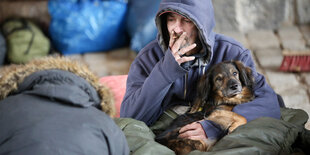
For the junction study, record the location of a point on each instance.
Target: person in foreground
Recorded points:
(56, 106)
(165, 73)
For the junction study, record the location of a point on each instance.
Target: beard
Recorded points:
(185, 43)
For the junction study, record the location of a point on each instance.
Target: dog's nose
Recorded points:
(232, 85)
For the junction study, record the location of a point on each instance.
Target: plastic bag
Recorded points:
(141, 22)
(79, 26)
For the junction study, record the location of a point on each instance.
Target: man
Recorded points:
(166, 71)
(56, 106)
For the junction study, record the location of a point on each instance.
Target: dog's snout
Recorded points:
(234, 87)
(232, 84)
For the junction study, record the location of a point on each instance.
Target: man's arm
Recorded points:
(265, 103)
(150, 78)
(148, 82)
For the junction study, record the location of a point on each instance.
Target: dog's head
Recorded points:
(228, 82)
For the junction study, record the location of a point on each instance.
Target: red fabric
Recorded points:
(117, 84)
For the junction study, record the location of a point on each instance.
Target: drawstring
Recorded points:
(185, 85)
(203, 70)
(199, 66)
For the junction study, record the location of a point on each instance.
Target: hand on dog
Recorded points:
(178, 52)
(193, 131)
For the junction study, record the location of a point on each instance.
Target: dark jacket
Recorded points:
(56, 106)
(156, 81)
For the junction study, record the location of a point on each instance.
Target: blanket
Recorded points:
(261, 136)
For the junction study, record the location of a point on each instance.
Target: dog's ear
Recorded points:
(203, 90)
(245, 74)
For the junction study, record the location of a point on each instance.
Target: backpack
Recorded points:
(25, 40)
(2, 49)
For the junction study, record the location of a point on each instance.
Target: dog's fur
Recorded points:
(224, 86)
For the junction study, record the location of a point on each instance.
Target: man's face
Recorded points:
(180, 24)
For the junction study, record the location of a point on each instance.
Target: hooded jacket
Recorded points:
(156, 81)
(56, 106)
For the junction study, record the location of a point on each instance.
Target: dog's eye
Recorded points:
(218, 79)
(235, 73)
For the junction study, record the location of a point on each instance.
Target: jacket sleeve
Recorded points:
(148, 82)
(265, 103)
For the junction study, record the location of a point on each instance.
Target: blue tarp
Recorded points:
(79, 26)
(141, 22)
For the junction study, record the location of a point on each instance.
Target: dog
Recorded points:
(224, 86)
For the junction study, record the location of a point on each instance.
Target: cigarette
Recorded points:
(175, 36)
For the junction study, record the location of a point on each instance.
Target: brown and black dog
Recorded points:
(224, 86)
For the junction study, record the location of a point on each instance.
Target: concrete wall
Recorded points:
(246, 15)
(231, 15)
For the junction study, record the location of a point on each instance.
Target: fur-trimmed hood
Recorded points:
(14, 77)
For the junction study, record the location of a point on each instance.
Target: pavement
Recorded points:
(266, 47)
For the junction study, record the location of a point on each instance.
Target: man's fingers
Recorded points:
(185, 59)
(176, 46)
(172, 39)
(184, 128)
(192, 131)
(189, 133)
(191, 126)
(187, 49)
(196, 137)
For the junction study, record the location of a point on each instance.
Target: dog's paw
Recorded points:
(238, 122)
(184, 146)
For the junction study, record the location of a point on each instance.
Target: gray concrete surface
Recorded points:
(266, 47)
